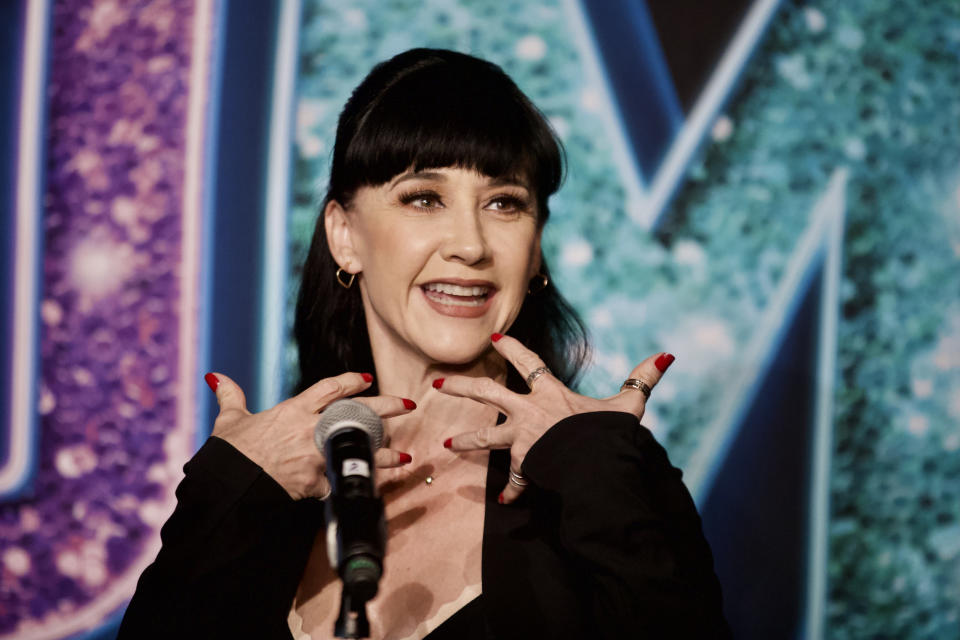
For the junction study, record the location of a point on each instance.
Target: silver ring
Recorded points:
(518, 479)
(536, 373)
(637, 383)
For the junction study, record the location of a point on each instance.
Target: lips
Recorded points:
(455, 294)
(459, 298)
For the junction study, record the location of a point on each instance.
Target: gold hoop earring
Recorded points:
(348, 283)
(538, 283)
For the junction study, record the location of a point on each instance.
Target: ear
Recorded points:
(340, 238)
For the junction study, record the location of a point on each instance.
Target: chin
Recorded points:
(457, 350)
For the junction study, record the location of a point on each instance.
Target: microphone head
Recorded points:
(347, 414)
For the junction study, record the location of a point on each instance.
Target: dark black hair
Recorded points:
(423, 109)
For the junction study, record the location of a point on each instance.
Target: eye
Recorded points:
(508, 204)
(421, 199)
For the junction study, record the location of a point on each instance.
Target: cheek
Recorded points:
(392, 263)
(391, 251)
(523, 254)
(520, 264)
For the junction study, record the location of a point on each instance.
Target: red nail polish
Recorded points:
(496, 336)
(500, 498)
(409, 404)
(664, 361)
(405, 458)
(448, 443)
(212, 382)
(438, 383)
(367, 377)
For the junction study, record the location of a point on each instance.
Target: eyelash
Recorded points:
(513, 204)
(413, 196)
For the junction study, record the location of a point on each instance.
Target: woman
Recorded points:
(515, 507)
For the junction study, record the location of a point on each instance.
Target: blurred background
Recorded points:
(769, 190)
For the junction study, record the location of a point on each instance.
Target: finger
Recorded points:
(322, 393)
(481, 389)
(229, 394)
(510, 493)
(488, 438)
(321, 489)
(387, 458)
(649, 371)
(516, 481)
(524, 360)
(389, 406)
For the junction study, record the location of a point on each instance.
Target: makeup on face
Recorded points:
(459, 298)
(446, 256)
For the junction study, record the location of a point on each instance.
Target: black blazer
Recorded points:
(605, 543)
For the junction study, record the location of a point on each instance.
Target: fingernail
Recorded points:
(367, 377)
(664, 361)
(448, 443)
(405, 458)
(496, 336)
(500, 498)
(409, 404)
(212, 382)
(438, 383)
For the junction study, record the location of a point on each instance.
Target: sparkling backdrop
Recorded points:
(866, 84)
(870, 85)
(112, 229)
(873, 86)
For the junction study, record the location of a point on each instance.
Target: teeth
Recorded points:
(456, 290)
(468, 302)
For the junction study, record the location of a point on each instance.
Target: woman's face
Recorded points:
(445, 257)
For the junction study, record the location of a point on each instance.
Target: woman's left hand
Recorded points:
(530, 415)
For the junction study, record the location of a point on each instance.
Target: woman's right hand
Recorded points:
(280, 439)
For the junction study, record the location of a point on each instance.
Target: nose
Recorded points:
(465, 239)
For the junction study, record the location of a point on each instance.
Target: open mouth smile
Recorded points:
(457, 295)
(466, 299)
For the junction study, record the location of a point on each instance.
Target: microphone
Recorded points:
(348, 433)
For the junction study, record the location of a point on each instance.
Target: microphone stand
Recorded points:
(361, 561)
(352, 621)
(360, 576)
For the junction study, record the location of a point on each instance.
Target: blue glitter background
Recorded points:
(866, 85)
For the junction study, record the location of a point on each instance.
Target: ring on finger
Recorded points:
(518, 479)
(536, 373)
(637, 383)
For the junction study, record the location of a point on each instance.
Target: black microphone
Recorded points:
(348, 433)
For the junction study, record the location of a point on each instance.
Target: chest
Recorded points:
(433, 562)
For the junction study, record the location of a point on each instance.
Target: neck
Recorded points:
(401, 371)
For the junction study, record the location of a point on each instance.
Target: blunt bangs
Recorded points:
(449, 110)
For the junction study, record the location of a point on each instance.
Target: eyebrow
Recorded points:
(435, 175)
(415, 175)
(508, 182)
